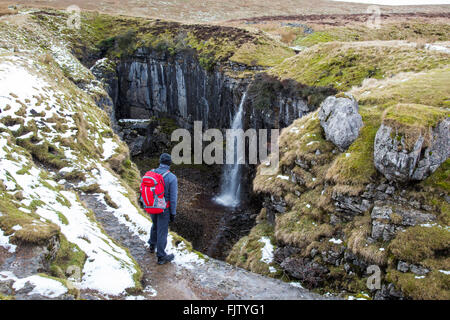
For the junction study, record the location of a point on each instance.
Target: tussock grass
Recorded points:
(246, 253)
(294, 228)
(33, 230)
(411, 121)
(435, 285)
(414, 30)
(422, 245)
(358, 231)
(68, 255)
(343, 65)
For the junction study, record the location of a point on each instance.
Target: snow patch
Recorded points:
(4, 242)
(335, 241)
(43, 286)
(267, 250)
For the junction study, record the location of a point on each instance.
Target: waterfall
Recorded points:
(231, 179)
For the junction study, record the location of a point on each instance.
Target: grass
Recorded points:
(414, 30)
(426, 88)
(422, 245)
(33, 230)
(357, 233)
(343, 65)
(294, 228)
(435, 285)
(68, 255)
(412, 121)
(119, 36)
(263, 53)
(247, 252)
(355, 166)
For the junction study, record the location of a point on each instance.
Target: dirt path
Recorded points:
(212, 280)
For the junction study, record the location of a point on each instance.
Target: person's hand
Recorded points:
(172, 218)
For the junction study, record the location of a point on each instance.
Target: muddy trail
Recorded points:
(211, 280)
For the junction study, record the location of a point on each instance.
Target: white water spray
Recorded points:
(231, 180)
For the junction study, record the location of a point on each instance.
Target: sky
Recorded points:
(399, 2)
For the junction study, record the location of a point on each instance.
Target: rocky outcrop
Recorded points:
(153, 83)
(340, 120)
(387, 220)
(393, 159)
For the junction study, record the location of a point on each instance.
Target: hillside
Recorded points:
(333, 211)
(213, 11)
(364, 152)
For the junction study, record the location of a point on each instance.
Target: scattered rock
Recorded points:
(310, 273)
(388, 292)
(340, 120)
(387, 220)
(6, 287)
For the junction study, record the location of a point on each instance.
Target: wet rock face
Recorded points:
(395, 162)
(152, 83)
(340, 120)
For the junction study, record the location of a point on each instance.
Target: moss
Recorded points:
(410, 121)
(68, 255)
(294, 228)
(33, 230)
(440, 179)
(247, 252)
(344, 66)
(422, 245)
(355, 166)
(434, 286)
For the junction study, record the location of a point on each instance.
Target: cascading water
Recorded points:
(231, 180)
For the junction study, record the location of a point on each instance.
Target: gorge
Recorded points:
(362, 181)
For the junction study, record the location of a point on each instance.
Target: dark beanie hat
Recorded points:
(165, 159)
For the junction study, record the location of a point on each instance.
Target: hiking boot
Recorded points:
(152, 249)
(165, 259)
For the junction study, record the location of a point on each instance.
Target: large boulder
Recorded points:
(340, 120)
(412, 142)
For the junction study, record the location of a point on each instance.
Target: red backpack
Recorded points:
(152, 192)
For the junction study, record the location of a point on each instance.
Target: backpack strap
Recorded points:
(166, 173)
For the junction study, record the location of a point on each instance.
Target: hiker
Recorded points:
(163, 209)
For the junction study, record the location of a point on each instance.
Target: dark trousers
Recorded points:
(159, 231)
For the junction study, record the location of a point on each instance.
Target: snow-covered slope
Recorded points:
(56, 144)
